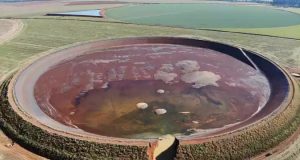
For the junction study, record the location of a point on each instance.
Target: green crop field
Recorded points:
(289, 31)
(263, 20)
(204, 15)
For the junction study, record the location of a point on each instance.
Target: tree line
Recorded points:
(287, 3)
(293, 3)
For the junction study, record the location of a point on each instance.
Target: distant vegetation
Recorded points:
(288, 3)
(285, 3)
(255, 1)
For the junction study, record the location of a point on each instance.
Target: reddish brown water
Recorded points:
(203, 89)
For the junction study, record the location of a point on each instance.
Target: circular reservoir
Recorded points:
(141, 88)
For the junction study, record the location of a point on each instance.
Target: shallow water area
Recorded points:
(198, 88)
(93, 13)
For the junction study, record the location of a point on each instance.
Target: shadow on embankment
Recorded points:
(170, 153)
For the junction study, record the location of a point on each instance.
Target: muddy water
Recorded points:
(203, 89)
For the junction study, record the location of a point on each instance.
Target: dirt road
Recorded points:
(9, 29)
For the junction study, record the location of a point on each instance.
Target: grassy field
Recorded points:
(204, 15)
(41, 35)
(44, 7)
(281, 22)
(294, 10)
(289, 32)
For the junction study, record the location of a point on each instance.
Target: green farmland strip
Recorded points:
(290, 31)
(204, 15)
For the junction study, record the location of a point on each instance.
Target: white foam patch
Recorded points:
(167, 67)
(187, 66)
(160, 111)
(232, 84)
(201, 78)
(98, 61)
(142, 105)
(165, 76)
(105, 85)
(160, 91)
(135, 72)
(112, 74)
(121, 72)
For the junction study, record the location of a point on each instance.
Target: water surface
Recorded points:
(203, 89)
